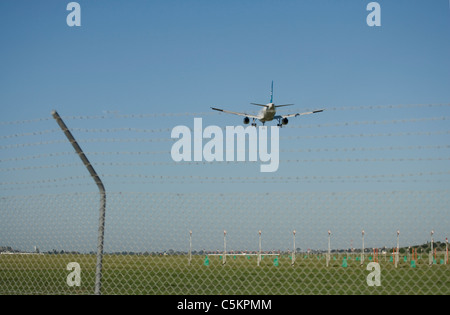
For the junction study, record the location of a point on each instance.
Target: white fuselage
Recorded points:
(267, 113)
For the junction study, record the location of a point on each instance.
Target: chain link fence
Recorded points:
(198, 227)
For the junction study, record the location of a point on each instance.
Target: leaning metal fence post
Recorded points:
(101, 226)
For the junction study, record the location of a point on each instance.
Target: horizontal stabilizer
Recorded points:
(284, 105)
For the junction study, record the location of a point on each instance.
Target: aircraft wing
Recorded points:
(298, 114)
(235, 113)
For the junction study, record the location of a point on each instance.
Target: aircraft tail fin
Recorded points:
(271, 93)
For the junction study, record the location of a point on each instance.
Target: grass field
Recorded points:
(172, 275)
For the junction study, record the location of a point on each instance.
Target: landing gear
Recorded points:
(282, 121)
(254, 122)
(279, 123)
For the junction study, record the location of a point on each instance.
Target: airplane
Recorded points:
(268, 113)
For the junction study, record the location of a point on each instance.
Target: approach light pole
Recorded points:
(362, 253)
(190, 247)
(224, 260)
(397, 256)
(329, 248)
(446, 251)
(293, 253)
(259, 256)
(430, 259)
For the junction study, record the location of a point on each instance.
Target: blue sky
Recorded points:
(169, 61)
(136, 56)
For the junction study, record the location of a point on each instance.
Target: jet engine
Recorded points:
(285, 121)
(246, 120)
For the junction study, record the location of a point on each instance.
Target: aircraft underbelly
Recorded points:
(268, 116)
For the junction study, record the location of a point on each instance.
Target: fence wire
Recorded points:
(349, 192)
